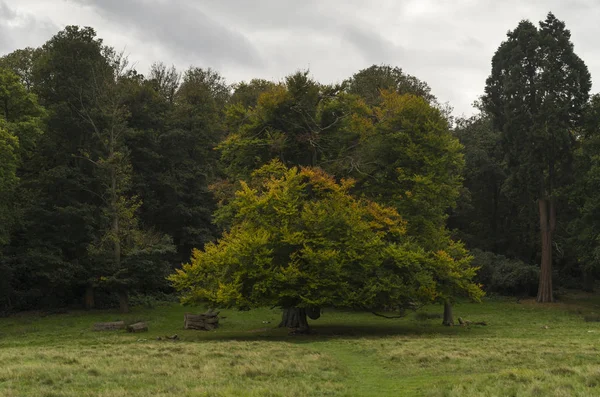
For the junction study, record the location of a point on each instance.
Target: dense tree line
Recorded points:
(110, 180)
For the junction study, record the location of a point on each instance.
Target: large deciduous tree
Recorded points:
(535, 95)
(299, 240)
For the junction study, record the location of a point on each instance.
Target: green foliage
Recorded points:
(21, 124)
(283, 125)
(127, 255)
(172, 153)
(485, 217)
(164, 81)
(21, 62)
(478, 215)
(116, 169)
(246, 94)
(535, 97)
(502, 275)
(369, 84)
(401, 152)
(411, 161)
(536, 94)
(300, 239)
(9, 146)
(59, 195)
(584, 194)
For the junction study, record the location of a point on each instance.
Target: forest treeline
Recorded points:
(110, 178)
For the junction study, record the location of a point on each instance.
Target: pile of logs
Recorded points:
(118, 325)
(204, 322)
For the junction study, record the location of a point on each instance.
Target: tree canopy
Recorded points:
(300, 239)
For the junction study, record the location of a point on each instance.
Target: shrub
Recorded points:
(505, 276)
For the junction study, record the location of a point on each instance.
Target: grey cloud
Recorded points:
(374, 48)
(20, 29)
(473, 43)
(448, 43)
(6, 13)
(305, 15)
(181, 29)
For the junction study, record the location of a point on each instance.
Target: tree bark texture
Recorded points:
(88, 301)
(547, 227)
(448, 315)
(123, 301)
(295, 319)
(313, 312)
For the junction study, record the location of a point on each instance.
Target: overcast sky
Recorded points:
(448, 43)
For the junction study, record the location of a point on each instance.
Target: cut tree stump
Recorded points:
(109, 326)
(204, 322)
(137, 327)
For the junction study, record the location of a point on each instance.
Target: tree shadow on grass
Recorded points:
(324, 332)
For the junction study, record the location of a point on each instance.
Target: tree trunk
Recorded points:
(448, 316)
(547, 226)
(494, 225)
(123, 301)
(588, 281)
(314, 313)
(295, 318)
(123, 295)
(88, 300)
(115, 217)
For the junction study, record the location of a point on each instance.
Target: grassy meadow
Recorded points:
(526, 350)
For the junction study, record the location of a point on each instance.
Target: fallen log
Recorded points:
(137, 327)
(111, 326)
(204, 322)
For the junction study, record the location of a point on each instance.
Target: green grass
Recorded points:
(526, 350)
